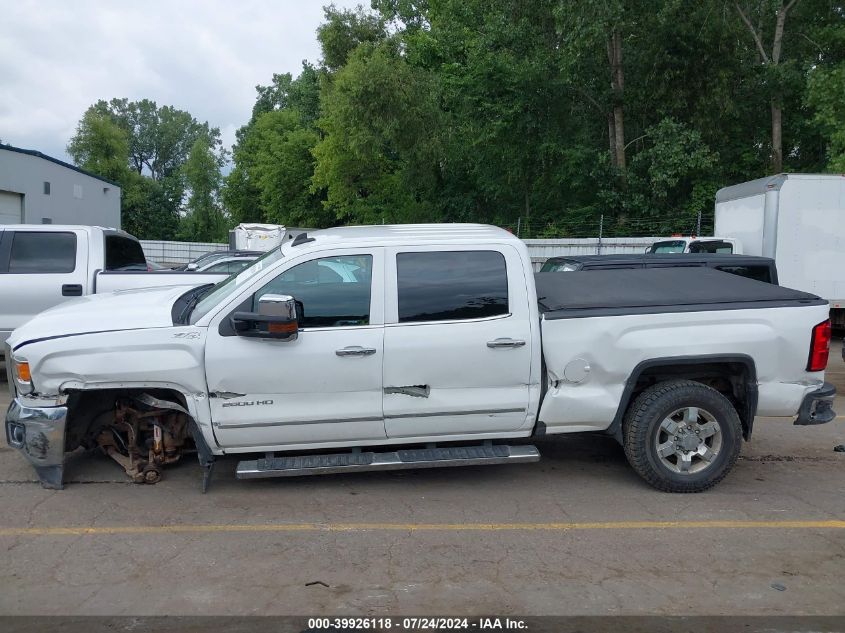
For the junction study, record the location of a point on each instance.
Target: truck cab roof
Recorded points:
(401, 234)
(65, 227)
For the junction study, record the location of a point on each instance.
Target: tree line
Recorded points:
(551, 116)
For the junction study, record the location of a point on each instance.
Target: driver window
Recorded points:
(334, 291)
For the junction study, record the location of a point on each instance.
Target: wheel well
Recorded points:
(88, 409)
(733, 377)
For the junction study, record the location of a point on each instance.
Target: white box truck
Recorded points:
(799, 221)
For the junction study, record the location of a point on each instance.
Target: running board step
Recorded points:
(300, 465)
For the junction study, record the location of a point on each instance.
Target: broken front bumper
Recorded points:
(39, 433)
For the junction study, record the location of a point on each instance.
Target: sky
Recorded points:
(57, 57)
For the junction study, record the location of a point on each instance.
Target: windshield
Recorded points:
(209, 257)
(234, 282)
(669, 246)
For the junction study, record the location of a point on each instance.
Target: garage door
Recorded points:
(11, 208)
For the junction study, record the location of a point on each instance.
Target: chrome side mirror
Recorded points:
(276, 318)
(277, 306)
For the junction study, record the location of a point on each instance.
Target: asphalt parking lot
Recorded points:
(576, 533)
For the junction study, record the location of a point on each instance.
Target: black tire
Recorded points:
(642, 424)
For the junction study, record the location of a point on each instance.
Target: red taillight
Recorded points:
(819, 347)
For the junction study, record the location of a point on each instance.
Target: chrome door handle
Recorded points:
(505, 342)
(355, 350)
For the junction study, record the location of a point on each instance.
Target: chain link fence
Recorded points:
(177, 253)
(606, 226)
(544, 239)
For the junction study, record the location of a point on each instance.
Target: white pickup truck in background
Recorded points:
(367, 348)
(44, 265)
(720, 245)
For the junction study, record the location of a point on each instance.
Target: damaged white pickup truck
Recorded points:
(369, 348)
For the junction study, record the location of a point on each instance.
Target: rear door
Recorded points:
(38, 270)
(457, 349)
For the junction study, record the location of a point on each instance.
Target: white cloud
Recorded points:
(203, 56)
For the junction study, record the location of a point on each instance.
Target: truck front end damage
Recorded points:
(143, 433)
(39, 434)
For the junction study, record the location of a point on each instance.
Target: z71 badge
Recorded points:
(191, 335)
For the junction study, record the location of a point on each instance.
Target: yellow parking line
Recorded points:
(423, 527)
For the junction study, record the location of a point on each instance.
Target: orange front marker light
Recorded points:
(22, 371)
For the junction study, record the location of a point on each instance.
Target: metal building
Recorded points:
(39, 189)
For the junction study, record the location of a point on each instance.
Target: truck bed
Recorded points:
(598, 327)
(653, 291)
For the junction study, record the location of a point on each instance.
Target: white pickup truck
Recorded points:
(368, 348)
(43, 265)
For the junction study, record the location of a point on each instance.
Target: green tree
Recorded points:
(160, 138)
(204, 221)
(144, 148)
(826, 95)
(344, 30)
(672, 180)
(378, 158)
(283, 168)
(243, 195)
(548, 114)
(147, 212)
(100, 146)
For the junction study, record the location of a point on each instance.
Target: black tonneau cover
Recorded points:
(657, 290)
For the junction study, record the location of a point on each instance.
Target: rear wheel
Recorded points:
(682, 436)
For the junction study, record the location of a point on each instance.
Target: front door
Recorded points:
(323, 387)
(457, 350)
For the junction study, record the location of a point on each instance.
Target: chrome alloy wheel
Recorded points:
(688, 440)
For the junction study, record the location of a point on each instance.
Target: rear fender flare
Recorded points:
(746, 413)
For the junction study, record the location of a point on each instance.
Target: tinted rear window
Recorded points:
(711, 247)
(37, 252)
(452, 285)
(760, 273)
(123, 253)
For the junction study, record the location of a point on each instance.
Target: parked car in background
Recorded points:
(44, 265)
(696, 245)
(759, 268)
(418, 346)
(232, 263)
(204, 261)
